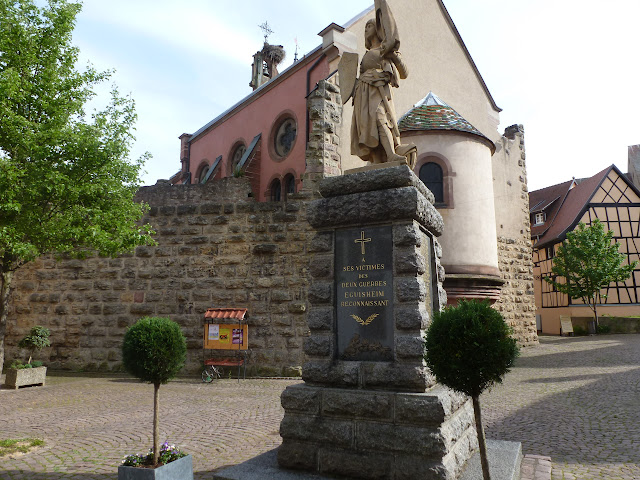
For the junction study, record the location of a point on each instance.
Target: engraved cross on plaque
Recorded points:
(362, 241)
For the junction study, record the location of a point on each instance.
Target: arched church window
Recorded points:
(289, 184)
(204, 168)
(276, 190)
(236, 156)
(285, 137)
(431, 175)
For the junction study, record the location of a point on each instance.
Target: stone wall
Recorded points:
(517, 302)
(216, 247)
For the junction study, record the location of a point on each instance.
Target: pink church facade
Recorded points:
(264, 135)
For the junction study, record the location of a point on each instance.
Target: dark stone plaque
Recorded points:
(364, 293)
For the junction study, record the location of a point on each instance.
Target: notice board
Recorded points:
(218, 336)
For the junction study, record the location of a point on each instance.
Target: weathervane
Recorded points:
(267, 30)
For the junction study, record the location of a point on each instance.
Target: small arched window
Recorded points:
(236, 156)
(289, 184)
(431, 175)
(203, 173)
(276, 190)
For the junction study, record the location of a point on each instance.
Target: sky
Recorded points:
(567, 70)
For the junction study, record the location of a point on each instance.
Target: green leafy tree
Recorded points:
(589, 260)
(66, 184)
(154, 350)
(469, 348)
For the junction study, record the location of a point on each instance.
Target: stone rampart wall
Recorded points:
(216, 247)
(517, 302)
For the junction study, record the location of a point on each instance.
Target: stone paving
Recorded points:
(576, 400)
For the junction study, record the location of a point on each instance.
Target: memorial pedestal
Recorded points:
(369, 408)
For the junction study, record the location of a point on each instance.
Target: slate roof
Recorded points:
(565, 204)
(431, 113)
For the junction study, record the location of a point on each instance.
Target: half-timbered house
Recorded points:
(608, 196)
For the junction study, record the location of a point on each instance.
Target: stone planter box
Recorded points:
(23, 377)
(181, 469)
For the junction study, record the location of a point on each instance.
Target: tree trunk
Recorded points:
(156, 433)
(5, 287)
(595, 314)
(484, 461)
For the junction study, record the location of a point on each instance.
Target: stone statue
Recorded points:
(375, 136)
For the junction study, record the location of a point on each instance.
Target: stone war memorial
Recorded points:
(368, 408)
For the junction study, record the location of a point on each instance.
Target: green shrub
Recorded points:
(468, 348)
(154, 350)
(603, 329)
(580, 331)
(37, 339)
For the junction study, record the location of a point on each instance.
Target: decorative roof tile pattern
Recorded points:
(238, 313)
(431, 113)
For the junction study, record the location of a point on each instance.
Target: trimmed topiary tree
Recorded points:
(154, 350)
(468, 348)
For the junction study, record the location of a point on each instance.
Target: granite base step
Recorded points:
(504, 463)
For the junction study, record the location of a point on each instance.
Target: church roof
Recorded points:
(431, 113)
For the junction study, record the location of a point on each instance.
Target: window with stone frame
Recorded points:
(289, 184)
(431, 175)
(276, 190)
(285, 137)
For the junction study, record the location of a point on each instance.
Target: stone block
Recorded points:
(409, 347)
(357, 404)
(316, 429)
(411, 317)
(409, 261)
(321, 266)
(407, 235)
(410, 290)
(394, 376)
(410, 467)
(301, 399)
(298, 455)
(320, 318)
(430, 408)
(390, 438)
(355, 465)
(318, 346)
(338, 374)
(321, 242)
(320, 293)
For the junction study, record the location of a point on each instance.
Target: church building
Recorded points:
(231, 225)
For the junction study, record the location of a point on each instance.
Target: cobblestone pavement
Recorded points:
(576, 400)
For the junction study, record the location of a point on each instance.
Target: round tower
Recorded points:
(454, 162)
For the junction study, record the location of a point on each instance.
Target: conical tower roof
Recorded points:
(431, 113)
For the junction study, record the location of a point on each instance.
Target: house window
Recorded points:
(539, 218)
(276, 190)
(289, 184)
(431, 175)
(550, 252)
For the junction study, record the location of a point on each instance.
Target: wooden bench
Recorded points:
(225, 362)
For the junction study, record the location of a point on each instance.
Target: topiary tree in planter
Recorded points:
(154, 350)
(468, 348)
(37, 339)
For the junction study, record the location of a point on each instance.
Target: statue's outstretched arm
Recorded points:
(385, 22)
